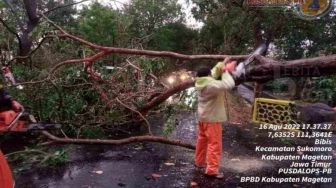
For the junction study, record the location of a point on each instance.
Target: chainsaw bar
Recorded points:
(259, 51)
(42, 126)
(243, 65)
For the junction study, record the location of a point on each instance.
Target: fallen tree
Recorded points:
(270, 69)
(265, 69)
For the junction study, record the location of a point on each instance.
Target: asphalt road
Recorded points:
(150, 165)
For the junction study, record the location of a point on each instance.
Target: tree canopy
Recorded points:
(75, 59)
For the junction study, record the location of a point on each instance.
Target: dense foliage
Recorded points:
(74, 100)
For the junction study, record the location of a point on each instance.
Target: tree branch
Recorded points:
(109, 50)
(164, 96)
(31, 11)
(58, 140)
(10, 30)
(32, 51)
(271, 69)
(139, 113)
(63, 6)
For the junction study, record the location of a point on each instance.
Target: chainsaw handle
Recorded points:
(12, 124)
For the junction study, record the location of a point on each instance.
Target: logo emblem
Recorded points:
(305, 9)
(312, 9)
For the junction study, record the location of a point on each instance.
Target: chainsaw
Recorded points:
(241, 67)
(11, 121)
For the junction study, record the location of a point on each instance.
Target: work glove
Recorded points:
(229, 67)
(233, 69)
(222, 67)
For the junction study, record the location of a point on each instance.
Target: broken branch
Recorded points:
(58, 140)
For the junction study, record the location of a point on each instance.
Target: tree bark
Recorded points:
(164, 96)
(158, 139)
(268, 69)
(31, 22)
(271, 69)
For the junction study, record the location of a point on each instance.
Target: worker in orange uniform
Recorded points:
(212, 113)
(6, 103)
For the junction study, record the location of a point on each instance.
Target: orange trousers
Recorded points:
(6, 178)
(209, 147)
